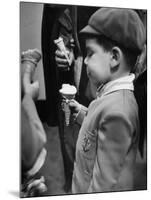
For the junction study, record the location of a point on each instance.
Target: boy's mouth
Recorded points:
(88, 74)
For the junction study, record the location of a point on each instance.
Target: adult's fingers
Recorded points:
(63, 67)
(61, 61)
(60, 54)
(62, 64)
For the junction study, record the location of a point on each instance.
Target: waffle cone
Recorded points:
(67, 113)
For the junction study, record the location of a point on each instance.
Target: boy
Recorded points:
(108, 139)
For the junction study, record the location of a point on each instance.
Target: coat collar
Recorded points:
(125, 82)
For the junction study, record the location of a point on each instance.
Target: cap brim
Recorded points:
(89, 30)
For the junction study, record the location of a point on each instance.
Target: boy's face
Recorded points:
(97, 62)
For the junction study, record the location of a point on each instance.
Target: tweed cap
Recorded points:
(120, 25)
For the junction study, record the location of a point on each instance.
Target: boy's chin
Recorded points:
(94, 83)
(93, 80)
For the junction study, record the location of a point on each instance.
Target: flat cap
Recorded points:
(120, 25)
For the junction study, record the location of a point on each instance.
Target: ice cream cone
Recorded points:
(67, 113)
(31, 55)
(68, 92)
(61, 46)
(29, 60)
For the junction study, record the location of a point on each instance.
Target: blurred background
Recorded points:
(30, 35)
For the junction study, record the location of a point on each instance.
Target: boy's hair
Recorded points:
(107, 44)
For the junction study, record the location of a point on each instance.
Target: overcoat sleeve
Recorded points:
(114, 139)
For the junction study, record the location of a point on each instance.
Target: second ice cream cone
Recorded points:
(68, 92)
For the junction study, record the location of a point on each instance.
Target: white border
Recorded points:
(9, 99)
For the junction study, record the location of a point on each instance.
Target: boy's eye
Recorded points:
(89, 53)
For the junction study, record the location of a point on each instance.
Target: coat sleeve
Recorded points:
(114, 139)
(33, 135)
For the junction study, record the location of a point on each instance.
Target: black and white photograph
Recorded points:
(83, 99)
(82, 106)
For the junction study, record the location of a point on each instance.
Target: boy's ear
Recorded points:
(116, 55)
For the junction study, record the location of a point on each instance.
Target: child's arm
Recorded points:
(33, 137)
(79, 111)
(114, 140)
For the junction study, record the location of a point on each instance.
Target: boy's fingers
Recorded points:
(65, 100)
(26, 79)
(62, 106)
(72, 103)
(36, 85)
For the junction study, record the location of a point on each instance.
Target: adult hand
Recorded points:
(62, 62)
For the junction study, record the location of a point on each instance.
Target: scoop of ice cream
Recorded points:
(68, 89)
(32, 55)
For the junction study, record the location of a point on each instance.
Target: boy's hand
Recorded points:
(31, 89)
(29, 60)
(75, 107)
